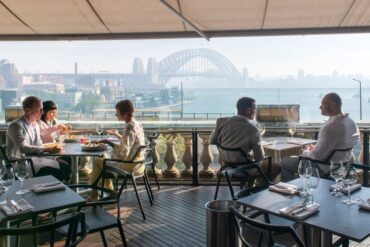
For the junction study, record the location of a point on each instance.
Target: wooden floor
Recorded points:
(177, 218)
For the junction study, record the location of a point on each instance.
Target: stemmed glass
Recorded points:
(349, 178)
(304, 172)
(99, 129)
(262, 129)
(313, 182)
(336, 172)
(292, 129)
(22, 170)
(7, 181)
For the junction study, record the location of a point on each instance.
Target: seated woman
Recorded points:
(131, 139)
(49, 128)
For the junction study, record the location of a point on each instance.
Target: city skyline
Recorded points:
(264, 57)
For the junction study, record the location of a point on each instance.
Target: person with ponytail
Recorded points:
(131, 138)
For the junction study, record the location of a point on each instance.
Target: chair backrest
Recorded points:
(242, 222)
(241, 156)
(136, 157)
(72, 222)
(326, 161)
(3, 155)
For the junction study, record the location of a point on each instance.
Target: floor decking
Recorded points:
(177, 218)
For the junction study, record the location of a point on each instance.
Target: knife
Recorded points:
(16, 206)
(301, 209)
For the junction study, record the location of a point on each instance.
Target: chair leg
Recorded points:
(230, 186)
(147, 190)
(149, 185)
(138, 198)
(103, 238)
(155, 175)
(34, 222)
(120, 228)
(218, 186)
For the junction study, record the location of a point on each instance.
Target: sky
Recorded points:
(264, 56)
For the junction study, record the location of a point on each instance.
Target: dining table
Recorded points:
(281, 146)
(350, 222)
(50, 201)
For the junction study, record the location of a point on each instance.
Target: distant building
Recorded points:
(68, 100)
(8, 97)
(43, 86)
(10, 74)
(137, 67)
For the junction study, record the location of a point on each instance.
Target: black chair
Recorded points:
(325, 161)
(132, 176)
(240, 171)
(267, 231)
(96, 217)
(71, 222)
(149, 158)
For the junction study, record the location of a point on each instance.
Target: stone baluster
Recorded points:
(361, 154)
(155, 156)
(84, 170)
(187, 158)
(170, 159)
(206, 158)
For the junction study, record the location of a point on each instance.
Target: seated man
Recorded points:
(240, 132)
(339, 132)
(23, 138)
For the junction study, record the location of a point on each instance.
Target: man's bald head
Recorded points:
(331, 105)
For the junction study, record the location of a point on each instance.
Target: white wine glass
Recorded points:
(313, 183)
(292, 129)
(336, 172)
(304, 172)
(262, 129)
(7, 181)
(349, 179)
(99, 129)
(22, 171)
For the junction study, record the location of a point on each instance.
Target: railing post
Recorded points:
(366, 156)
(195, 156)
(155, 157)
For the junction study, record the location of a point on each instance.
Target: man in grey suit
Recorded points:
(23, 138)
(239, 132)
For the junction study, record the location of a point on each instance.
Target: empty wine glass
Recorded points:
(22, 170)
(99, 129)
(349, 179)
(313, 182)
(262, 129)
(292, 128)
(7, 181)
(304, 172)
(336, 172)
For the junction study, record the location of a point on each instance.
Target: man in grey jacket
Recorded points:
(23, 139)
(239, 132)
(339, 132)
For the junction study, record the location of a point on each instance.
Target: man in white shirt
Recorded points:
(239, 132)
(339, 132)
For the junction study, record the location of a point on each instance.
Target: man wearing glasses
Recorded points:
(23, 138)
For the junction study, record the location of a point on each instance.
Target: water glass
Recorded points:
(349, 179)
(336, 172)
(292, 129)
(99, 129)
(22, 170)
(304, 172)
(313, 182)
(7, 181)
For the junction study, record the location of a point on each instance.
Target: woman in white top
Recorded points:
(130, 139)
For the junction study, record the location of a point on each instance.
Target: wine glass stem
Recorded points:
(312, 200)
(349, 195)
(21, 184)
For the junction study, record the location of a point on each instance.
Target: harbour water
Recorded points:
(218, 100)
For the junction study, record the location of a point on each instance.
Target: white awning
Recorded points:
(124, 19)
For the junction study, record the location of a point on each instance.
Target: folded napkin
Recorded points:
(266, 143)
(296, 142)
(363, 205)
(284, 188)
(45, 187)
(344, 189)
(12, 207)
(299, 210)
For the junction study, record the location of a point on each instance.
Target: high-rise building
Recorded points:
(10, 74)
(8, 97)
(138, 67)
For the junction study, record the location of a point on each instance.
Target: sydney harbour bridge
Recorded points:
(187, 63)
